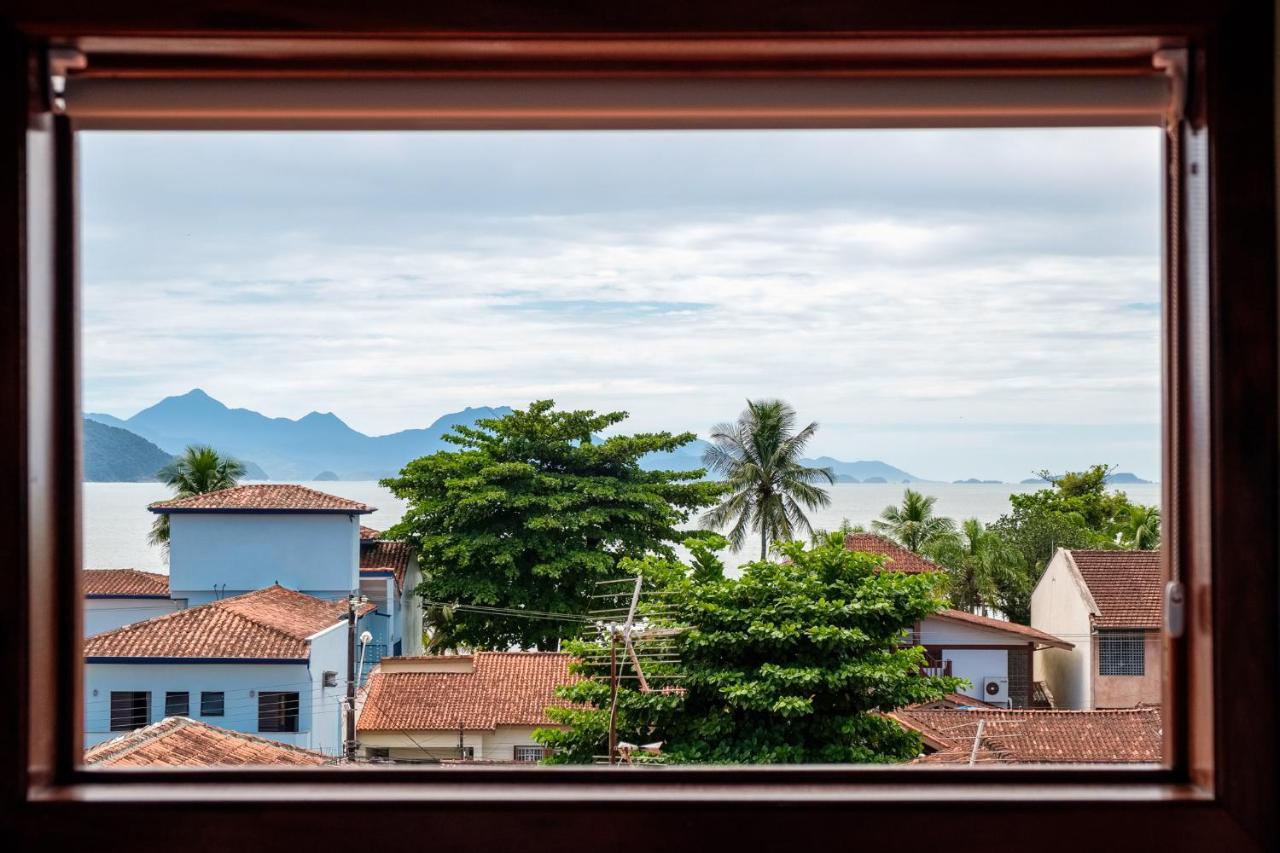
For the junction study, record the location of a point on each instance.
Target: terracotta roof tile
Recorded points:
(369, 533)
(279, 497)
(124, 582)
(385, 555)
(899, 559)
(272, 623)
(505, 689)
(1127, 586)
(182, 742)
(1038, 737)
(1024, 631)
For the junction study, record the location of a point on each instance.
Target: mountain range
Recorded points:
(321, 446)
(287, 449)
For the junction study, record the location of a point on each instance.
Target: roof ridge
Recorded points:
(268, 625)
(138, 738)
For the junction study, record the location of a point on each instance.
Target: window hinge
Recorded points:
(1174, 62)
(61, 61)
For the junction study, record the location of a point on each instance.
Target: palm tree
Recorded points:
(980, 565)
(1140, 529)
(759, 455)
(913, 524)
(198, 470)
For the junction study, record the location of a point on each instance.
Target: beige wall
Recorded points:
(1059, 606)
(496, 745)
(1129, 691)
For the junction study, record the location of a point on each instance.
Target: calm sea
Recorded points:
(116, 520)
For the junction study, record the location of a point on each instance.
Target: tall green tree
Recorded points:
(982, 568)
(1139, 529)
(200, 469)
(768, 488)
(1077, 510)
(791, 662)
(529, 512)
(913, 525)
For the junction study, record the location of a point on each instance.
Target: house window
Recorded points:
(130, 709)
(377, 753)
(1121, 653)
(212, 703)
(530, 754)
(177, 704)
(277, 711)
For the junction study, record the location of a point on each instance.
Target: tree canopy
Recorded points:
(529, 512)
(791, 662)
(913, 524)
(768, 487)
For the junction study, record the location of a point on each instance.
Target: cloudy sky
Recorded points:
(956, 303)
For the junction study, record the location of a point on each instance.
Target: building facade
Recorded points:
(1109, 603)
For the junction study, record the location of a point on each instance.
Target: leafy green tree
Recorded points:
(200, 469)
(913, 525)
(768, 489)
(791, 662)
(1139, 529)
(1076, 511)
(982, 568)
(530, 511)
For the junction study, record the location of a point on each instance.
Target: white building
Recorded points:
(995, 656)
(270, 662)
(1110, 604)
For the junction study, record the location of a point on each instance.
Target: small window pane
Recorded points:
(530, 753)
(277, 712)
(212, 704)
(130, 709)
(1121, 653)
(177, 704)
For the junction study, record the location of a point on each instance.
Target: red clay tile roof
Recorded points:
(272, 623)
(182, 742)
(506, 689)
(1127, 586)
(899, 559)
(1038, 737)
(369, 533)
(124, 582)
(385, 555)
(1026, 632)
(278, 497)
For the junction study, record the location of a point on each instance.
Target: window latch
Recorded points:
(63, 60)
(1175, 609)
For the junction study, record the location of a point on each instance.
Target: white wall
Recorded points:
(313, 553)
(1059, 606)
(411, 610)
(104, 614)
(975, 665)
(497, 745)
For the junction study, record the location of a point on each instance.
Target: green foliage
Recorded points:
(1139, 529)
(913, 525)
(791, 662)
(768, 489)
(1076, 511)
(983, 570)
(199, 470)
(531, 511)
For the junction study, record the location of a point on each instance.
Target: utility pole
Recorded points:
(613, 695)
(350, 750)
(462, 744)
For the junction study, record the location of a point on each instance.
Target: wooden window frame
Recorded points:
(1221, 477)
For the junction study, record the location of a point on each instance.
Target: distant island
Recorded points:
(1119, 478)
(326, 476)
(975, 481)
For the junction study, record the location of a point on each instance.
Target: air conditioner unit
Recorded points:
(995, 690)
